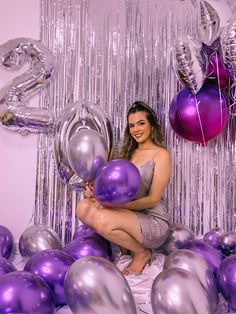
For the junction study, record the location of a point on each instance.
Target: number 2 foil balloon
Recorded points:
(189, 63)
(14, 112)
(76, 117)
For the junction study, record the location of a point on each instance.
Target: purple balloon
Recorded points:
(217, 73)
(117, 183)
(226, 280)
(202, 116)
(25, 293)
(6, 242)
(52, 266)
(228, 243)
(212, 238)
(211, 255)
(6, 266)
(88, 246)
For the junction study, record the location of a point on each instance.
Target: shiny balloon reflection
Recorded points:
(95, 285)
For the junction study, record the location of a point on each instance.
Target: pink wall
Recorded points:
(17, 152)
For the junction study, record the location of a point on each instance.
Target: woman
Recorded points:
(141, 224)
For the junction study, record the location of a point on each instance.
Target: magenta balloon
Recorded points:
(117, 183)
(23, 292)
(202, 116)
(6, 266)
(226, 280)
(6, 242)
(174, 120)
(207, 252)
(217, 73)
(51, 266)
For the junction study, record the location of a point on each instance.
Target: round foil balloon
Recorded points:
(23, 292)
(189, 63)
(95, 285)
(179, 233)
(37, 238)
(6, 266)
(178, 291)
(196, 265)
(117, 183)
(75, 117)
(6, 242)
(51, 266)
(226, 280)
(202, 116)
(87, 153)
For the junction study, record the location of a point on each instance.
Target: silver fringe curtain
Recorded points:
(113, 53)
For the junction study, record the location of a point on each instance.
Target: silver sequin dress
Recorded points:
(153, 221)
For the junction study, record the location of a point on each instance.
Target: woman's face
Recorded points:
(139, 127)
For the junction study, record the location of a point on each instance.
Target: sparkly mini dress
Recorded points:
(153, 221)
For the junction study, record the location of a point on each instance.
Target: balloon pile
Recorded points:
(205, 66)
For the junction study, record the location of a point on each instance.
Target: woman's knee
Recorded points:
(82, 209)
(102, 222)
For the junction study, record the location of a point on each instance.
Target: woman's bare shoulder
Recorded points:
(162, 153)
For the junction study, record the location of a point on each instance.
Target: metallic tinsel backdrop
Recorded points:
(113, 53)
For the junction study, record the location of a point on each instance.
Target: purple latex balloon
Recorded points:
(52, 266)
(6, 266)
(217, 73)
(117, 183)
(6, 242)
(23, 292)
(226, 280)
(211, 255)
(201, 117)
(88, 246)
(228, 242)
(212, 238)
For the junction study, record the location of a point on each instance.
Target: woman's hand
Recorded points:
(89, 190)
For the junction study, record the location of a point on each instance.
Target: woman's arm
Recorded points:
(160, 180)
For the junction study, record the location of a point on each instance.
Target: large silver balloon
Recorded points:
(196, 265)
(177, 291)
(179, 233)
(74, 118)
(189, 62)
(37, 238)
(228, 47)
(208, 23)
(13, 54)
(87, 153)
(95, 285)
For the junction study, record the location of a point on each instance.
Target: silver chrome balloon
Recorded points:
(177, 291)
(74, 118)
(196, 265)
(95, 285)
(189, 62)
(208, 23)
(37, 238)
(87, 153)
(13, 54)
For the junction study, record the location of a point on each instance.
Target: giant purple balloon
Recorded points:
(200, 117)
(6, 266)
(52, 266)
(88, 246)
(6, 242)
(207, 252)
(217, 73)
(23, 292)
(226, 280)
(117, 183)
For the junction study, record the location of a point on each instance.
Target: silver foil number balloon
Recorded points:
(74, 118)
(87, 153)
(208, 23)
(177, 291)
(189, 63)
(14, 112)
(95, 285)
(37, 238)
(196, 265)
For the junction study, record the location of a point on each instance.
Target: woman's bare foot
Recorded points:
(138, 263)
